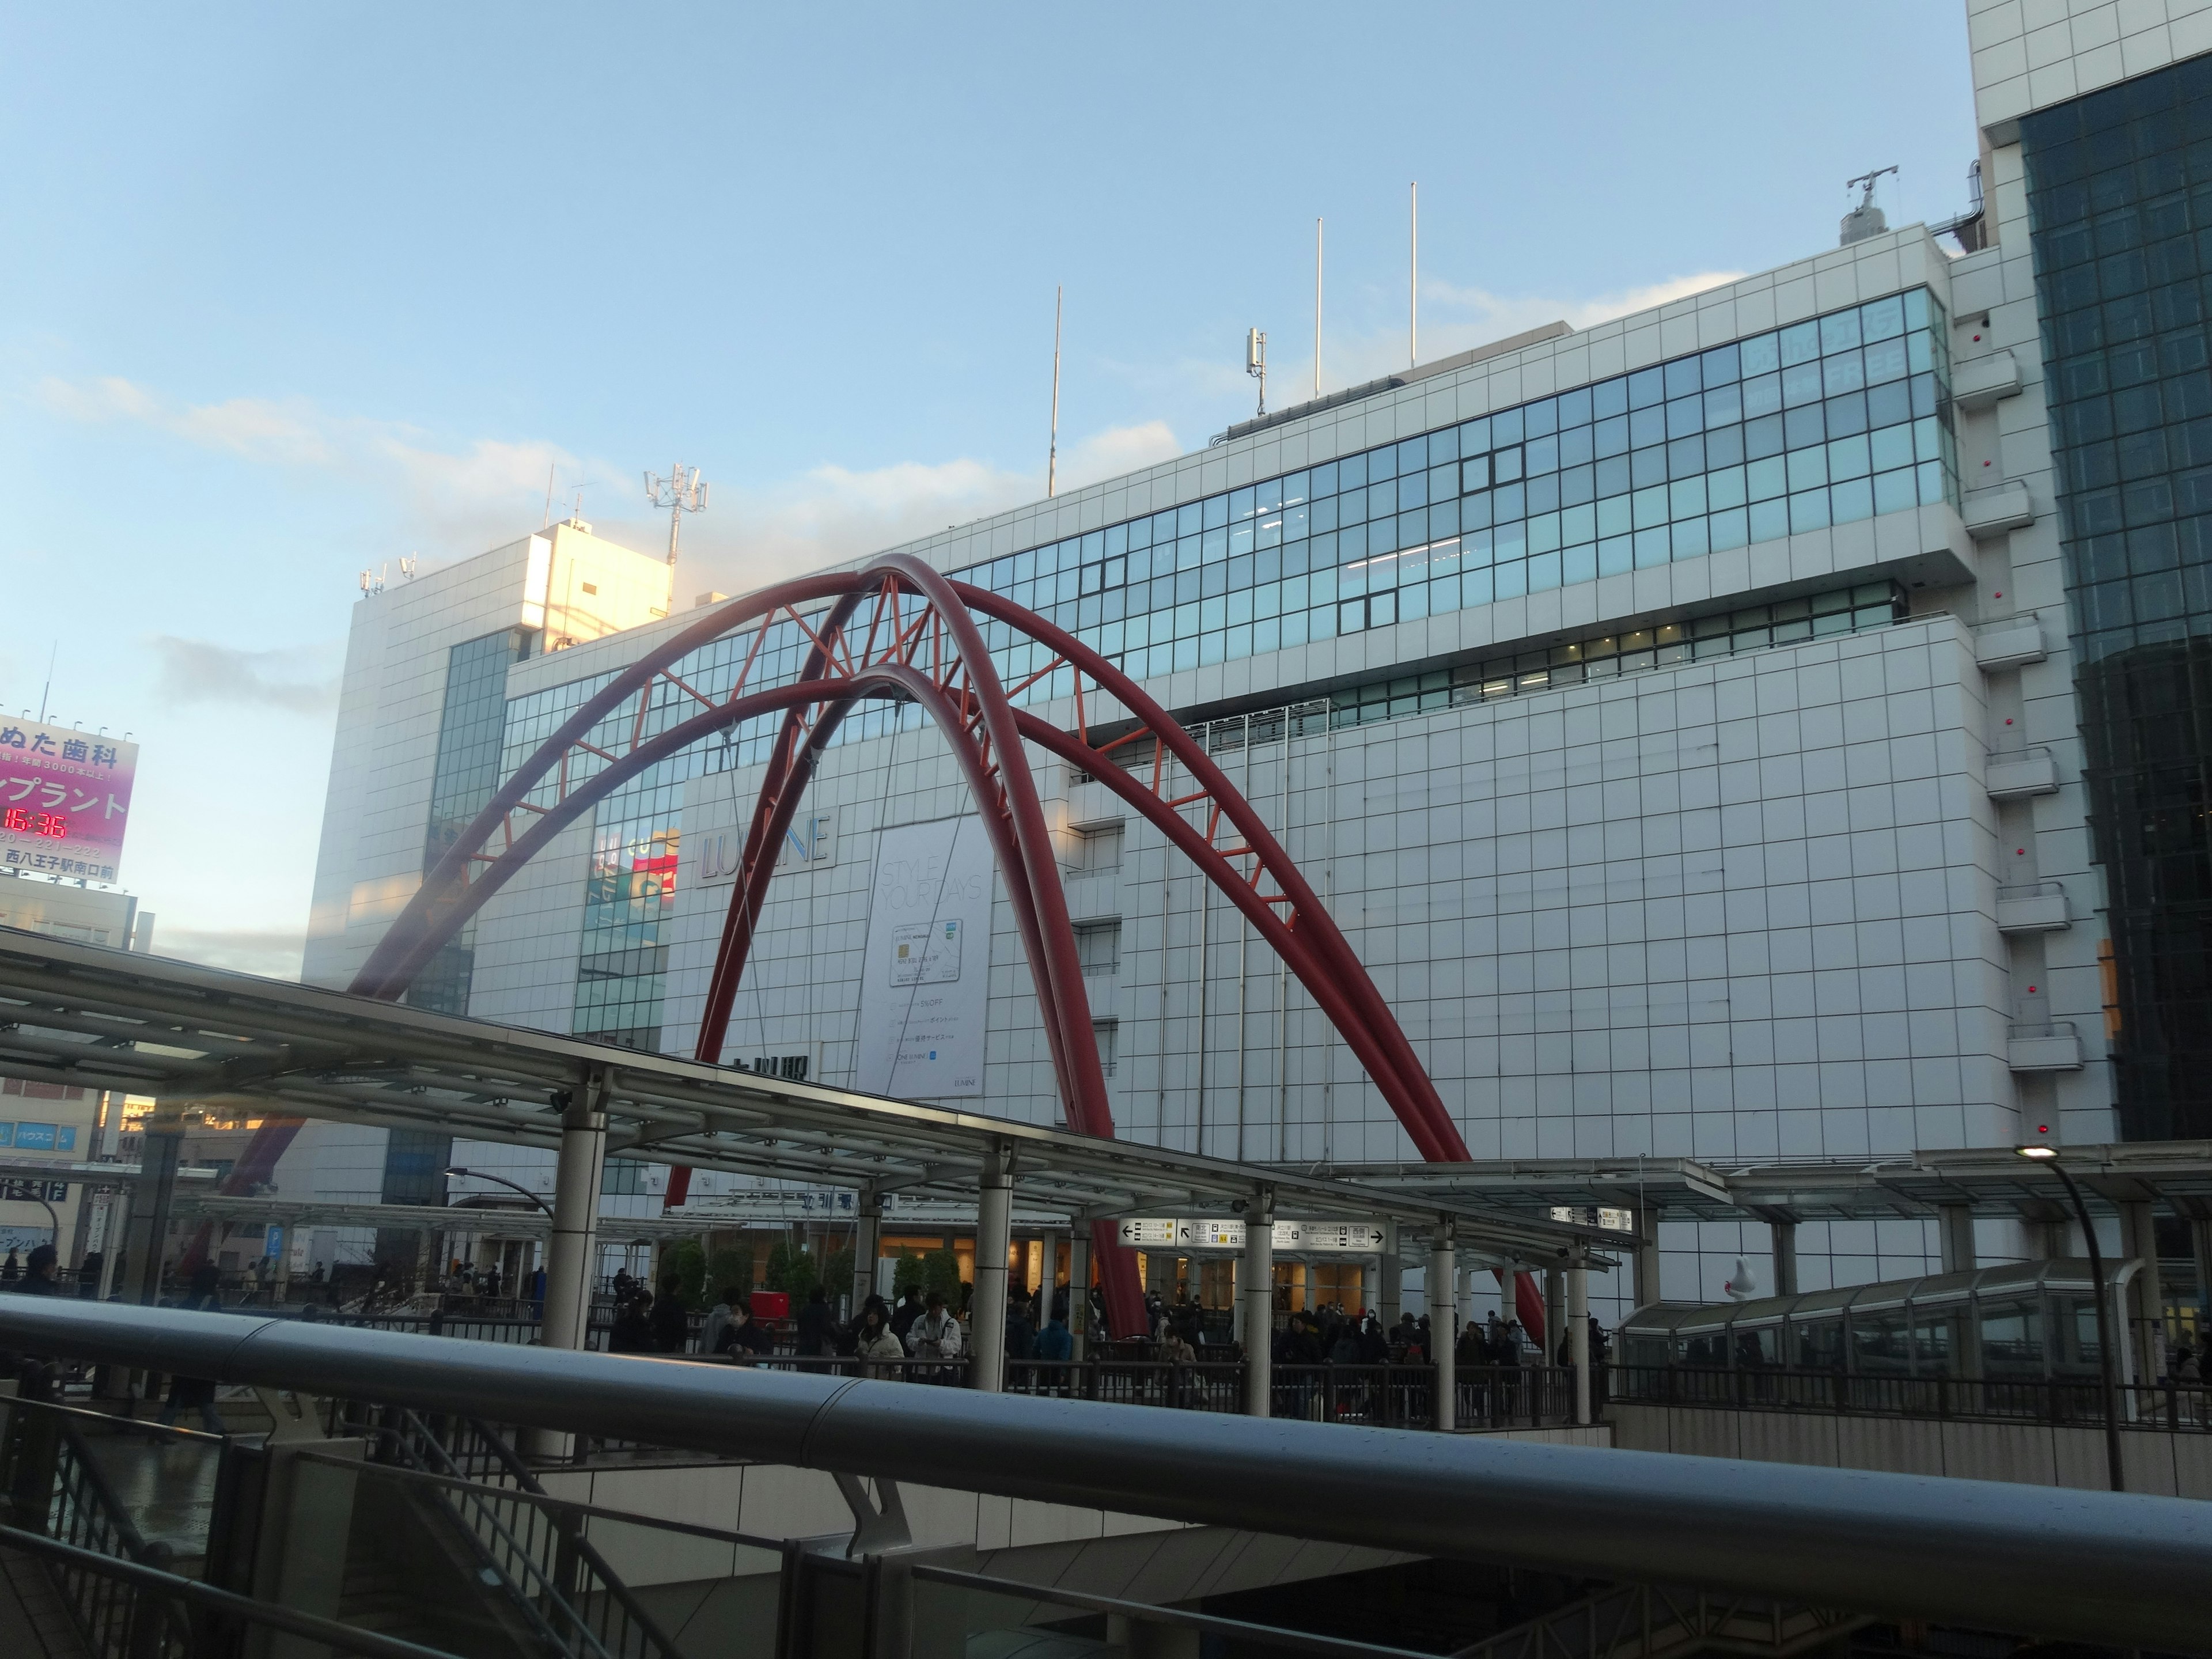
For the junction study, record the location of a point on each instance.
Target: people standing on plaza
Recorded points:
(41, 1272)
(874, 1345)
(671, 1321)
(1056, 1341)
(817, 1328)
(742, 1337)
(10, 1270)
(198, 1392)
(936, 1336)
(710, 1333)
(908, 1310)
(632, 1331)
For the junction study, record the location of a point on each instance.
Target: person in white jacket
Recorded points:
(935, 1335)
(873, 1341)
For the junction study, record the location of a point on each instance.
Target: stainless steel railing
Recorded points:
(2108, 1567)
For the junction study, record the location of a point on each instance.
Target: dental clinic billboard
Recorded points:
(64, 799)
(925, 990)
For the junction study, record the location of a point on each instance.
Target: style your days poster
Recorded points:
(924, 993)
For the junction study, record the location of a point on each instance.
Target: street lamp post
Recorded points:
(515, 1186)
(479, 1175)
(2106, 1356)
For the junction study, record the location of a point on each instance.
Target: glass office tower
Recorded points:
(2119, 187)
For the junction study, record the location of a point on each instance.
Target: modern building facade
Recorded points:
(1770, 727)
(53, 1123)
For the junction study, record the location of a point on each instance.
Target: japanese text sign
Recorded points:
(64, 799)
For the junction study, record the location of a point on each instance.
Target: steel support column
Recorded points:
(867, 1245)
(149, 1220)
(1444, 1322)
(1644, 1286)
(1079, 1288)
(1578, 1346)
(1954, 1223)
(1555, 1297)
(994, 1211)
(1255, 1296)
(1391, 1293)
(1783, 1235)
(570, 1252)
(2144, 1297)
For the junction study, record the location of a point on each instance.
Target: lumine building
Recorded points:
(1771, 728)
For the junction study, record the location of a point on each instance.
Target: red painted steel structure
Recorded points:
(902, 630)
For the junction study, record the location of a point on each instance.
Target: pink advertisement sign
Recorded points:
(64, 799)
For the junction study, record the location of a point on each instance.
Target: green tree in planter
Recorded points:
(911, 1274)
(791, 1269)
(726, 1268)
(940, 1271)
(684, 1261)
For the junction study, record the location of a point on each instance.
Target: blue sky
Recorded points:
(291, 291)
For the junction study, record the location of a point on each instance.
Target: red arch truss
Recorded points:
(899, 630)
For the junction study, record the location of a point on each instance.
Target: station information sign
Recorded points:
(1224, 1233)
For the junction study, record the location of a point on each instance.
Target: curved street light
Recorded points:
(2106, 1359)
(480, 1175)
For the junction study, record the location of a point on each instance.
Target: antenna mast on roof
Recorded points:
(1052, 454)
(1414, 279)
(680, 492)
(1316, 307)
(1255, 360)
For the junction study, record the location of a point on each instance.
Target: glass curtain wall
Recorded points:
(2120, 207)
(1826, 421)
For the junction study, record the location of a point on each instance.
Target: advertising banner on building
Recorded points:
(64, 799)
(924, 991)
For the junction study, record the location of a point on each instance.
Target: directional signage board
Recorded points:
(1361, 1237)
(1220, 1233)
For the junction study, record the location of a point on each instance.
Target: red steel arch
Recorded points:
(898, 629)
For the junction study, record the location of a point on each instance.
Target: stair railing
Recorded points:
(543, 1557)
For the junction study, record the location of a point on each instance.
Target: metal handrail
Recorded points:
(2112, 1568)
(177, 1590)
(536, 1582)
(1209, 1624)
(2164, 1406)
(79, 1503)
(586, 1551)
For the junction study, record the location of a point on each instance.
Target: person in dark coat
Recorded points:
(671, 1325)
(816, 1328)
(198, 1392)
(632, 1331)
(40, 1273)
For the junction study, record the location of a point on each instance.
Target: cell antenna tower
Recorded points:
(1255, 361)
(680, 492)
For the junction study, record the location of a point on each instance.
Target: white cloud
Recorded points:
(1495, 316)
(274, 951)
(1455, 317)
(473, 497)
(831, 513)
(198, 671)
